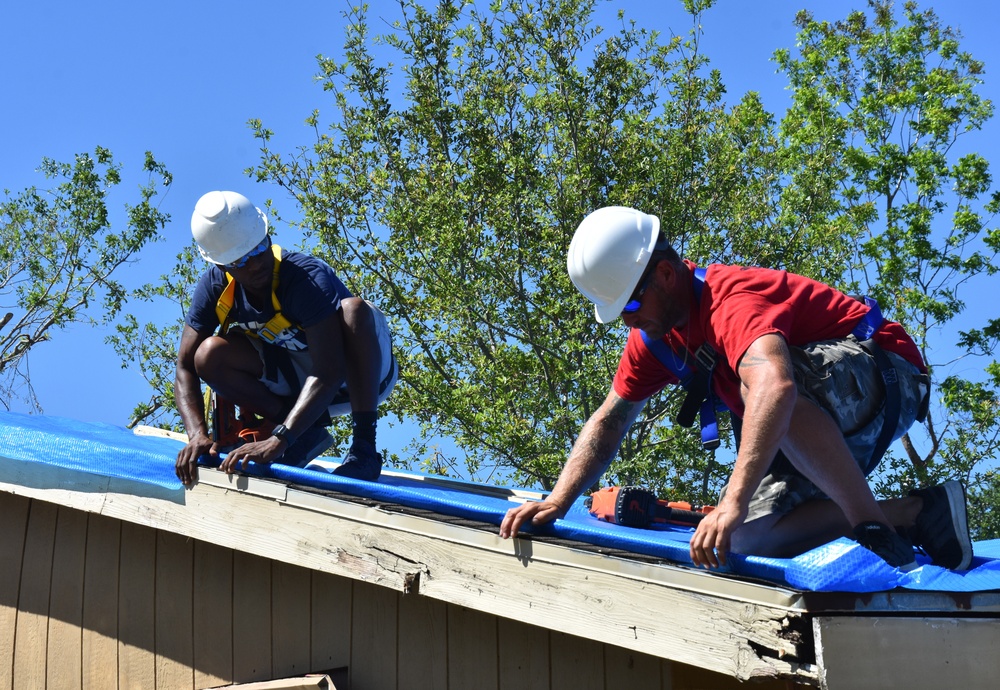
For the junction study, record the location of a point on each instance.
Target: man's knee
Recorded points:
(755, 537)
(209, 357)
(358, 315)
(219, 355)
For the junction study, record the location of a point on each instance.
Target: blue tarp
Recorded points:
(841, 565)
(103, 449)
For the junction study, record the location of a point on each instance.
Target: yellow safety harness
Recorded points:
(277, 325)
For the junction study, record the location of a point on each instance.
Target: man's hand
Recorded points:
(710, 541)
(537, 512)
(263, 452)
(186, 466)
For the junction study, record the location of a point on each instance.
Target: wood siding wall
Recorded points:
(92, 602)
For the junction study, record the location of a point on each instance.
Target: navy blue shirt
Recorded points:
(308, 291)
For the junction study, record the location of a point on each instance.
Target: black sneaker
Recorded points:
(942, 527)
(886, 542)
(362, 462)
(310, 444)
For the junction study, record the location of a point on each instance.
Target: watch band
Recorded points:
(284, 433)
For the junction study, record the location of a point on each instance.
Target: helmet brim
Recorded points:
(610, 312)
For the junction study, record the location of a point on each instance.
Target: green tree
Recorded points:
(153, 347)
(453, 196)
(447, 183)
(58, 253)
(874, 145)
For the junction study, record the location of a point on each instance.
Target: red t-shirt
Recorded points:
(739, 305)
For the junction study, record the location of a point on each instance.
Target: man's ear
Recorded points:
(667, 274)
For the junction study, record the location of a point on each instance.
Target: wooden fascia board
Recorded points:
(664, 611)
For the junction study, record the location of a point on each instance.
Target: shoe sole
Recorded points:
(960, 518)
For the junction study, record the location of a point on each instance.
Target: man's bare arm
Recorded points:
(769, 394)
(593, 451)
(190, 406)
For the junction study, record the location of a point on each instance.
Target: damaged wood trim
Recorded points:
(548, 586)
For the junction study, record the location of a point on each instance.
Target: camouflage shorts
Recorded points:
(841, 377)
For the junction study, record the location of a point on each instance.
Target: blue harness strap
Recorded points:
(697, 382)
(870, 322)
(864, 331)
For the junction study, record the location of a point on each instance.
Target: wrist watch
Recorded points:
(284, 433)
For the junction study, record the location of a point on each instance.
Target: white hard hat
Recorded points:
(608, 254)
(227, 226)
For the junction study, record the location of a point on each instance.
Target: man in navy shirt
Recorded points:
(278, 334)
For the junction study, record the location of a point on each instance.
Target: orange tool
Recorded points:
(634, 506)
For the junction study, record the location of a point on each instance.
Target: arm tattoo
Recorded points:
(749, 361)
(603, 440)
(600, 447)
(620, 412)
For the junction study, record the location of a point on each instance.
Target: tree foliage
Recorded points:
(456, 154)
(881, 104)
(58, 254)
(152, 347)
(449, 188)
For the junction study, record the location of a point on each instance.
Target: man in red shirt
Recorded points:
(809, 374)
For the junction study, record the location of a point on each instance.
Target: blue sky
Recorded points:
(181, 79)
